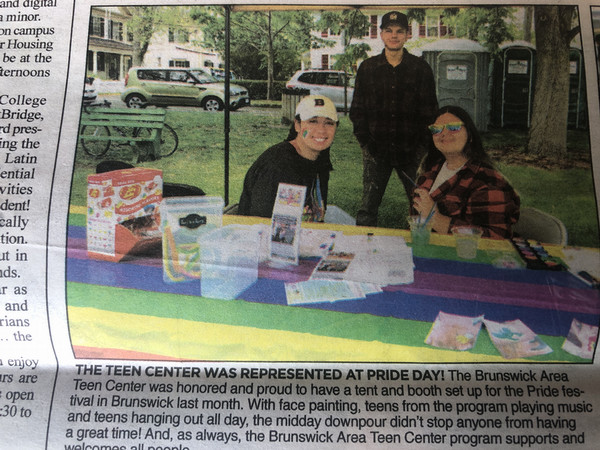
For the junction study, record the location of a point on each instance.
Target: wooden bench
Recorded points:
(140, 128)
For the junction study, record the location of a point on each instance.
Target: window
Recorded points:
(179, 76)
(444, 31)
(183, 36)
(115, 30)
(333, 79)
(179, 36)
(324, 61)
(319, 78)
(373, 28)
(97, 26)
(100, 61)
(203, 77)
(307, 77)
(432, 26)
(153, 75)
(179, 63)
(90, 61)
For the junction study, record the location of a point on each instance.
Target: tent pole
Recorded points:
(227, 102)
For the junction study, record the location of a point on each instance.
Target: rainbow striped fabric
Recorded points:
(126, 311)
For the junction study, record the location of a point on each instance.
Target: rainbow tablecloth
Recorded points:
(125, 310)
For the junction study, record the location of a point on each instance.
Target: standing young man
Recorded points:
(394, 102)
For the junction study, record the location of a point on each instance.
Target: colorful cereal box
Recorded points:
(123, 213)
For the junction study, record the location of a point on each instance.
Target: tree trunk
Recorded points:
(139, 51)
(548, 132)
(527, 23)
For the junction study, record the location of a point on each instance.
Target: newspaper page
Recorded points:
(100, 349)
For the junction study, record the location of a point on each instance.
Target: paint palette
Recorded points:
(535, 255)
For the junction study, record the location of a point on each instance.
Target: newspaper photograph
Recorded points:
(277, 225)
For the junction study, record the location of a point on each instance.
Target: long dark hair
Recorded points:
(473, 150)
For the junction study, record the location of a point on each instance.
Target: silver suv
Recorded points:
(324, 82)
(181, 87)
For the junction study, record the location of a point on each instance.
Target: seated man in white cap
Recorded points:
(302, 159)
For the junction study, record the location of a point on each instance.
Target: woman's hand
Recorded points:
(422, 202)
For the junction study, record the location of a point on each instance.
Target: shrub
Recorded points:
(257, 89)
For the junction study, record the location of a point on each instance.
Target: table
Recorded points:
(125, 310)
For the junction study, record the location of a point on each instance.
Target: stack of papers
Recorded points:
(581, 340)
(380, 260)
(454, 332)
(513, 339)
(319, 291)
(351, 267)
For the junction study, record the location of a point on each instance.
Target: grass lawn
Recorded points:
(565, 193)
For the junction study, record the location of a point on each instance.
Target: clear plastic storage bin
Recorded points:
(183, 221)
(229, 260)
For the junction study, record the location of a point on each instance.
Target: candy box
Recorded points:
(123, 213)
(183, 220)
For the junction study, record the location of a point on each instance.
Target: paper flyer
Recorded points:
(285, 223)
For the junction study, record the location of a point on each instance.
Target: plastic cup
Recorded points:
(419, 231)
(467, 239)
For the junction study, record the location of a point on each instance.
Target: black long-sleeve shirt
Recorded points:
(392, 106)
(282, 164)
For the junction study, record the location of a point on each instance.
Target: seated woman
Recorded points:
(458, 179)
(302, 159)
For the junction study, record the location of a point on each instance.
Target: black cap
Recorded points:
(395, 18)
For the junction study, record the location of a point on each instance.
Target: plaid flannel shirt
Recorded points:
(392, 106)
(475, 195)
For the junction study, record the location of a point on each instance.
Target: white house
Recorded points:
(177, 48)
(324, 58)
(110, 51)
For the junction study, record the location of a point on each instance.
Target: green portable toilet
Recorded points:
(461, 71)
(577, 91)
(513, 80)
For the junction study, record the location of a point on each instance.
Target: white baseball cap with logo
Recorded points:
(316, 106)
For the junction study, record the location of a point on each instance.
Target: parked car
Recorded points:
(90, 93)
(179, 87)
(219, 74)
(324, 82)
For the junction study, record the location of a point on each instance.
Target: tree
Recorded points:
(553, 32)
(490, 26)
(142, 27)
(146, 21)
(270, 37)
(349, 24)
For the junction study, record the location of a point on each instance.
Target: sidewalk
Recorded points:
(110, 86)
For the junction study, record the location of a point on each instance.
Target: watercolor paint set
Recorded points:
(536, 256)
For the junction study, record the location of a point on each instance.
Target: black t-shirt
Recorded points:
(282, 164)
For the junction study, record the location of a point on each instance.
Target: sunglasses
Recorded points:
(452, 127)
